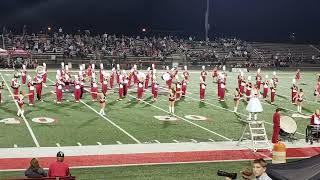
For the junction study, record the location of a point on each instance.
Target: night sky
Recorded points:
(252, 20)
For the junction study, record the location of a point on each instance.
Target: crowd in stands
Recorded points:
(83, 44)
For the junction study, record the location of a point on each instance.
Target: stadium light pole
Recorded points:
(206, 19)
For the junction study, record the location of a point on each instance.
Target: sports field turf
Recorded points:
(129, 121)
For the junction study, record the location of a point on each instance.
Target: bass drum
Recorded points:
(287, 125)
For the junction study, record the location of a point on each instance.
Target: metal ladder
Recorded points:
(258, 135)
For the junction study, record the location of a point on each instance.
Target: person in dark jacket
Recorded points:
(35, 171)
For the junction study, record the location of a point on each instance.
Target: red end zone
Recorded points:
(154, 158)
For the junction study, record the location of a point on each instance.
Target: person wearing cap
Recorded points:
(59, 168)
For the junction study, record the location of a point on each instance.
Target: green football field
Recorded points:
(129, 121)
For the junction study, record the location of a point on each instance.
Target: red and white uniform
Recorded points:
(294, 91)
(186, 75)
(59, 91)
(20, 100)
(77, 91)
(265, 89)
(315, 119)
(140, 90)
(38, 80)
(300, 97)
(184, 87)
(101, 75)
(104, 86)
(118, 76)
(298, 76)
(219, 87)
(45, 74)
(94, 91)
(239, 80)
(23, 76)
(111, 79)
(178, 90)
(169, 82)
(275, 81)
(248, 92)
(15, 87)
(215, 73)
(135, 77)
(222, 91)
(155, 90)
(202, 90)
(89, 71)
(237, 96)
(67, 82)
(258, 80)
(120, 90)
(203, 75)
(242, 87)
(31, 92)
(146, 83)
(273, 94)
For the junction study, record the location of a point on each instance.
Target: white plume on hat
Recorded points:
(101, 66)
(154, 71)
(23, 66)
(135, 66)
(241, 73)
(81, 68)
(152, 65)
(113, 69)
(223, 67)
(93, 66)
(259, 70)
(124, 71)
(185, 67)
(294, 81)
(167, 67)
(58, 72)
(267, 76)
(172, 69)
(118, 66)
(44, 64)
(62, 65)
(203, 67)
(274, 73)
(148, 69)
(67, 68)
(93, 75)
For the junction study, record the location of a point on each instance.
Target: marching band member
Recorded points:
(135, 74)
(101, 79)
(15, 86)
(299, 98)
(202, 89)
(38, 79)
(203, 73)
(112, 77)
(125, 83)
(172, 99)
(20, 103)
(265, 88)
(59, 85)
(219, 85)
(184, 87)
(77, 89)
(155, 90)
(315, 118)
(294, 91)
(89, 70)
(146, 82)
(215, 73)
(276, 126)
(298, 75)
(140, 90)
(102, 101)
(317, 92)
(67, 81)
(31, 90)
(120, 90)
(94, 89)
(118, 73)
(169, 80)
(248, 90)
(275, 79)
(44, 75)
(222, 90)
(242, 86)
(186, 74)
(23, 74)
(236, 99)
(1, 87)
(240, 79)
(258, 79)
(254, 105)
(104, 85)
(273, 90)
(178, 90)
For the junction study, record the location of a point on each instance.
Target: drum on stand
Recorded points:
(288, 128)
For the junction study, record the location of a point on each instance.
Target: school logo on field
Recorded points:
(196, 117)
(43, 120)
(10, 121)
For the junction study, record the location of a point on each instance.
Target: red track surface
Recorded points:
(144, 158)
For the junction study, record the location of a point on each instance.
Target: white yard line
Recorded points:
(24, 119)
(184, 119)
(107, 119)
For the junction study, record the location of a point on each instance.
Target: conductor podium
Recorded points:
(259, 139)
